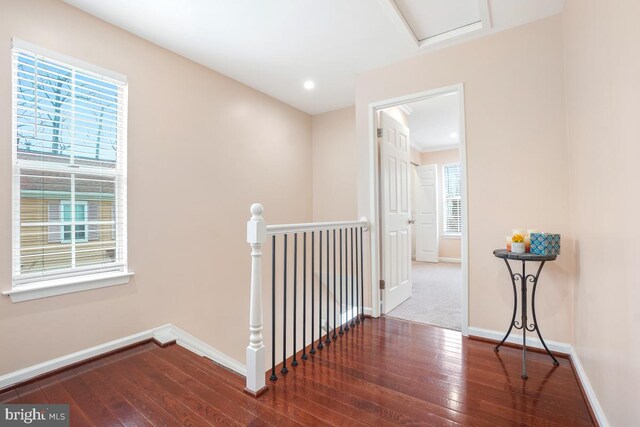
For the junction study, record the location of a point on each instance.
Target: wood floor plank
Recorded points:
(439, 405)
(91, 404)
(31, 393)
(175, 394)
(396, 408)
(392, 358)
(483, 382)
(383, 372)
(117, 404)
(137, 396)
(56, 393)
(233, 393)
(162, 397)
(417, 413)
(283, 405)
(9, 396)
(430, 361)
(205, 394)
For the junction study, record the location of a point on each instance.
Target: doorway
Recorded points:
(421, 197)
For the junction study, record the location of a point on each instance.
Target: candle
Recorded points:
(527, 243)
(532, 230)
(509, 243)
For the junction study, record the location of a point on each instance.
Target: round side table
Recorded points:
(524, 280)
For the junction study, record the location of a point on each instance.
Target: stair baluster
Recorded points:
(348, 305)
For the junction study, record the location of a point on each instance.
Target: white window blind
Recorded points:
(452, 199)
(69, 168)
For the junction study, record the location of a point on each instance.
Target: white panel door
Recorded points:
(395, 211)
(427, 214)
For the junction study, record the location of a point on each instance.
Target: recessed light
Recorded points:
(308, 85)
(453, 135)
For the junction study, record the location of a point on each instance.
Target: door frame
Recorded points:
(374, 206)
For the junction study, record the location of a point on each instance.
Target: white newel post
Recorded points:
(256, 234)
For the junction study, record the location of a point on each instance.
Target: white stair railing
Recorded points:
(257, 232)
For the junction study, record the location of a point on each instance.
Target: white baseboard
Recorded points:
(162, 334)
(532, 341)
(444, 259)
(591, 395)
(201, 348)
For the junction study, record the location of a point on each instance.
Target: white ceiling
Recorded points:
(428, 18)
(275, 45)
(433, 121)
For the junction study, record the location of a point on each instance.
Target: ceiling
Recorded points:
(427, 18)
(434, 123)
(275, 46)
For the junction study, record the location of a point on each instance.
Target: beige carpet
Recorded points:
(436, 298)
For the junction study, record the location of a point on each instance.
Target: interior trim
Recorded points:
(67, 285)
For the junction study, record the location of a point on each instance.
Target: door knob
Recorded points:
(412, 221)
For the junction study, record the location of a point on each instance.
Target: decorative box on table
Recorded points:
(545, 244)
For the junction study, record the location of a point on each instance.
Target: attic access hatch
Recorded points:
(429, 22)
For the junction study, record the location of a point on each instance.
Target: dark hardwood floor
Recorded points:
(386, 372)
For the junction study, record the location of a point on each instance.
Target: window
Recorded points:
(452, 202)
(69, 163)
(80, 221)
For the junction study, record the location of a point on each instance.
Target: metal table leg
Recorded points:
(515, 306)
(524, 279)
(534, 326)
(523, 312)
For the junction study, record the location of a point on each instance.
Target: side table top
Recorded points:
(505, 254)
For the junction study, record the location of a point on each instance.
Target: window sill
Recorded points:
(452, 236)
(67, 285)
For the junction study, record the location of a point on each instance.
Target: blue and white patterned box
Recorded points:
(545, 244)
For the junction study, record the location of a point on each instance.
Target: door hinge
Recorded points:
(381, 284)
(379, 132)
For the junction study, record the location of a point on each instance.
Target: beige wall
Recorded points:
(335, 163)
(334, 166)
(204, 145)
(514, 106)
(415, 156)
(603, 105)
(448, 247)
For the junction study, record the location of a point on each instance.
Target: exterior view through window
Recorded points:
(69, 169)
